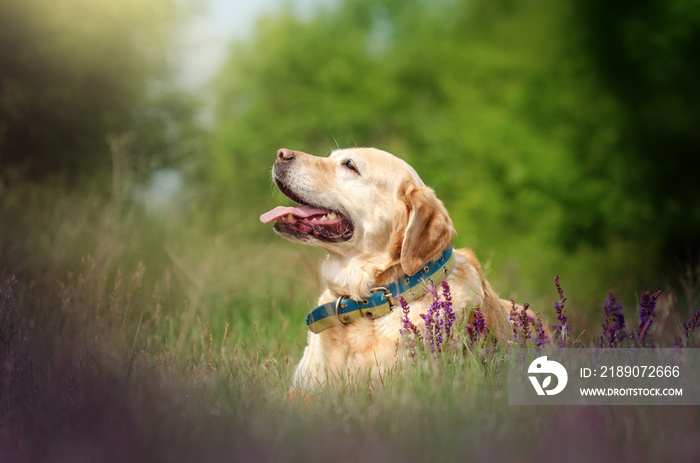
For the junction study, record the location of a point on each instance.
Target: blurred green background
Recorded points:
(563, 137)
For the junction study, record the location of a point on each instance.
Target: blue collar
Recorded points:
(344, 311)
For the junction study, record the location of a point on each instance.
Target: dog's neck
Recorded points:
(355, 276)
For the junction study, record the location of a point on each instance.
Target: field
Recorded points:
(128, 336)
(143, 327)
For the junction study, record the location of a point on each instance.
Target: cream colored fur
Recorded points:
(399, 225)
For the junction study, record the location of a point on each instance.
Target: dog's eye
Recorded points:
(351, 165)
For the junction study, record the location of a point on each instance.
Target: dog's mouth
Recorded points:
(308, 220)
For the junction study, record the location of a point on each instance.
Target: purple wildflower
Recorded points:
(561, 329)
(479, 323)
(614, 325)
(478, 332)
(408, 326)
(560, 291)
(439, 321)
(472, 336)
(541, 335)
(447, 310)
(410, 332)
(688, 329)
(525, 321)
(690, 325)
(513, 318)
(522, 323)
(433, 333)
(647, 303)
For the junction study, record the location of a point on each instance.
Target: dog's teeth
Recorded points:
(332, 216)
(290, 217)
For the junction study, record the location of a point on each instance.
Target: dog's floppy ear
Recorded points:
(429, 230)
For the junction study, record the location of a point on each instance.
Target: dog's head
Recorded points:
(360, 202)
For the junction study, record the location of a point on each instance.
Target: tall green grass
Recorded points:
(129, 336)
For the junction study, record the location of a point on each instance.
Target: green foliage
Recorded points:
(71, 72)
(646, 54)
(501, 107)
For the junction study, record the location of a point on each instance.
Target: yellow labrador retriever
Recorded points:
(386, 234)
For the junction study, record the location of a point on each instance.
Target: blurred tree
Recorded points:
(73, 71)
(500, 105)
(646, 53)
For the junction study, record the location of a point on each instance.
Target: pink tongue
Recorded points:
(302, 212)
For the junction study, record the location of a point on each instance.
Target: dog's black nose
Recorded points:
(285, 155)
